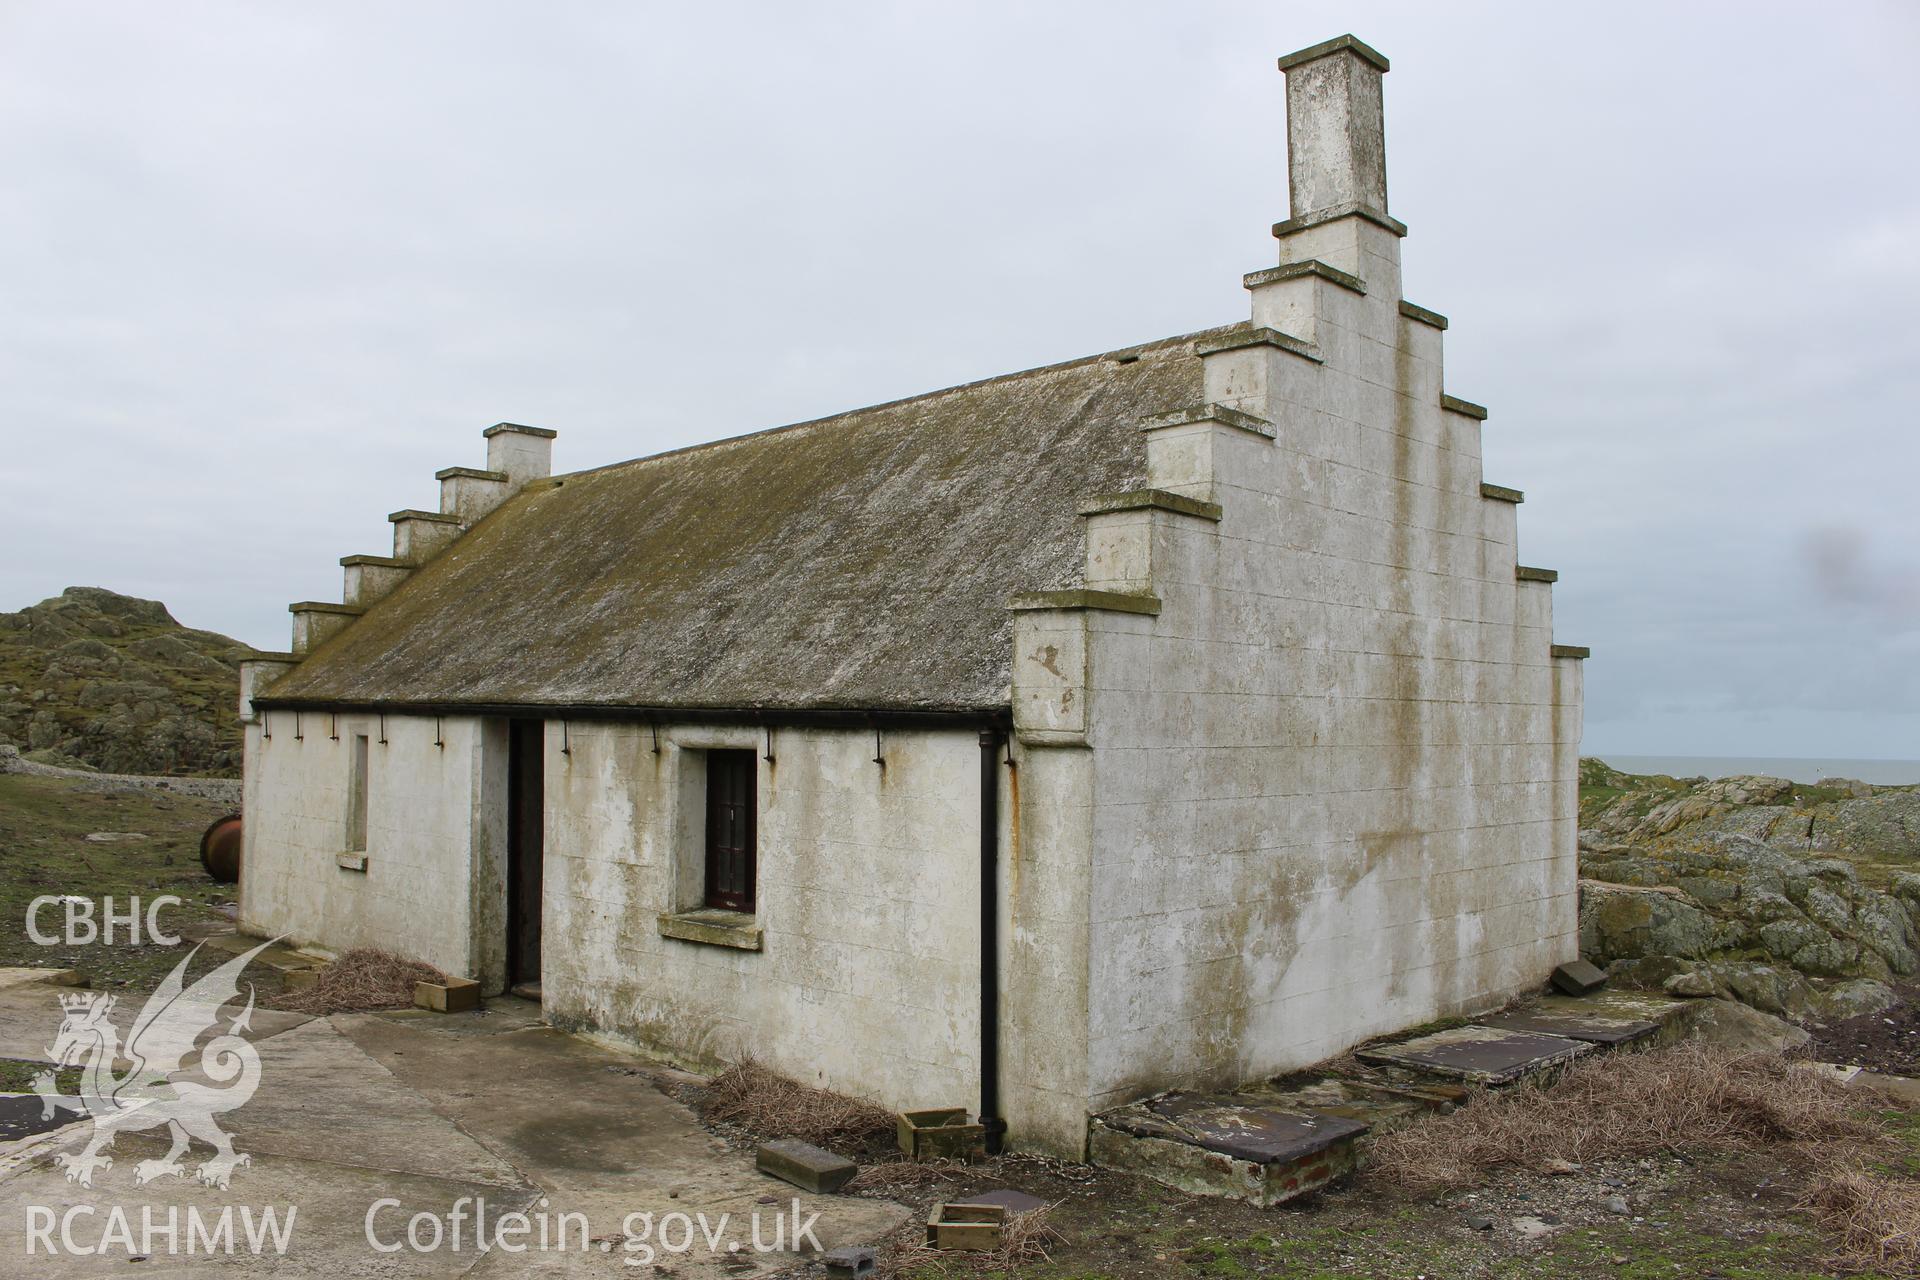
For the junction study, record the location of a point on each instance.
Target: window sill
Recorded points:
(351, 862)
(713, 927)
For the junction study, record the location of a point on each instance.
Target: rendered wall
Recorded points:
(1331, 760)
(868, 980)
(434, 883)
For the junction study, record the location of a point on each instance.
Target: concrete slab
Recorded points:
(1608, 1017)
(362, 1109)
(1380, 1108)
(598, 1141)
(1902, 1089)
(322, 1098)
(1014, 1202)
(1485, 1055)
(495, 1015)
(278, 958)
(13, 976)
(30, 1017)
(20, 1117)
(329, 1202)
(1226, 1146)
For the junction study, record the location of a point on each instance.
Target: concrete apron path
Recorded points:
(411, 1113)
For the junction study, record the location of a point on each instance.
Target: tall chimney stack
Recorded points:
(1336, 133)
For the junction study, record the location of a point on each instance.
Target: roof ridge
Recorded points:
(1132, 348)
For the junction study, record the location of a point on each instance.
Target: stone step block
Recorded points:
(806, 1166)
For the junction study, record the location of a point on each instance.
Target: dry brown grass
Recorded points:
(1023, 1243)
(363, 978)
(1877, 1219)
(1623, 1106)
(892, 1177)
(769, 1105)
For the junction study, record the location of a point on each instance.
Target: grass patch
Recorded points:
(1876, 1219)
(17, 1076)
(363, 978)
(1624, 1106)
(44, 823)
(769, 1105)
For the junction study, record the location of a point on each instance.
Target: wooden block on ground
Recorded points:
(456, 995)
(973, 1227)
(940, 1131)
(806, 1166)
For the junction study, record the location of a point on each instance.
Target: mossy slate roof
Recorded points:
(861, 562)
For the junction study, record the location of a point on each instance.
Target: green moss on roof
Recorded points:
(860, 561)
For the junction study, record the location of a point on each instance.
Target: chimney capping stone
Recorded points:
(1339, 44)
(502, 428)
(325, 606)
(381, 562)
(470, 473)
(435, 517)
(1386, 221)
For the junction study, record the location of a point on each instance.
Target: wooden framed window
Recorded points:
(731, 797)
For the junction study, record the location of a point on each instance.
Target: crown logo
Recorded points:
(78, 1002)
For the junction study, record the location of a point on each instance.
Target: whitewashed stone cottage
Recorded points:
(1178, 715)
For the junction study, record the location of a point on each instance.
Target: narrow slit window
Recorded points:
(730, 830)
(357, 797)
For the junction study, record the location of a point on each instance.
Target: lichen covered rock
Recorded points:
(114, 682)
(1792, 899)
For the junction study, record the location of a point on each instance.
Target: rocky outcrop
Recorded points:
(1791, 899)
(112, 682)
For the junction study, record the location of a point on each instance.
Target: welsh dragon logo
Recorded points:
(160, 1048)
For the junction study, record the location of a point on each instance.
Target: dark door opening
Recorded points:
(730, 830)
(526, 817)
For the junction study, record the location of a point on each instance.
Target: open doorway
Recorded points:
(526, 821)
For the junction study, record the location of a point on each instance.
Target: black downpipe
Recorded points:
(996, 1127)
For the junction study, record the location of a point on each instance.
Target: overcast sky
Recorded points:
(264, 268)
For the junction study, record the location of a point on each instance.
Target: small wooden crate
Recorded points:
(458, 995)
(941, 1131)
(971, 1227)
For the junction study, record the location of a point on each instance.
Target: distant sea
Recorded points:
(1880, 772)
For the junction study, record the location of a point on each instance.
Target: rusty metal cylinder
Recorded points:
(220, 849)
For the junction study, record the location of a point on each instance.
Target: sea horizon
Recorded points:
(1804, 769)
